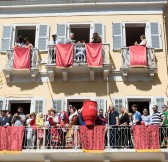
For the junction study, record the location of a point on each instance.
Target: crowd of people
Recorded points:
(57, 130)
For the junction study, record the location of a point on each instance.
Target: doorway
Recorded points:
(141, 105)
(81, 32)
(133, 33)
(14, 105)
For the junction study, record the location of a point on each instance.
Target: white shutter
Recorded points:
(118, 103)
(6, 38)
(38, 105)
(155, 33)
(99, 28)
(43, 35)
(160, 101)
(101, 104)
(61, 32)
(117, 35)
(2, 103)
(58, 104)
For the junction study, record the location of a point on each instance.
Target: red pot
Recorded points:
(89, 112)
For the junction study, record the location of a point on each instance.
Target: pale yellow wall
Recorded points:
(157, 87)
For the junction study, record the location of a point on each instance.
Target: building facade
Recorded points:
(120, 24)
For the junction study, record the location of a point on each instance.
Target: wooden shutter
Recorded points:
(58, 104)
(6, 38)
(99, 28)
(117, 36)
(61, 32)
(155, 32)
(2, 103)
(101, 104)
(119, 103)
(43, 34)
(38, 105)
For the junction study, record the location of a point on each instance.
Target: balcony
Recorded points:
(148, 70)
(80, 69)
(119, 145)
(10, 71)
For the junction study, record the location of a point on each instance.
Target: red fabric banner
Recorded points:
(92, 138)
(94, 54)
(21, 58)
(64, 55)
(11, 138)
(138, 56)
(146, 137)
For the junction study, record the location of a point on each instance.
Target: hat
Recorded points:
(164, 106)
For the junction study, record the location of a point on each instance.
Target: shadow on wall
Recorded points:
(145, 86)
(72, 88)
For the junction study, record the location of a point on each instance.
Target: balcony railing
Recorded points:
(79, 54)
(55, 138)
(151, 58)
(34, 59)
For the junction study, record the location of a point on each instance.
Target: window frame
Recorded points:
(25, 25)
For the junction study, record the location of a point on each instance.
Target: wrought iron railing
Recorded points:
(151, 58)
(56, 138)
(34, 58)
(79, 54)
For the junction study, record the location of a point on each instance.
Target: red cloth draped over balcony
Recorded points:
(146, 137)
(21, 58)
(94, 54)
(64, 55)
(138, 56)
(92, 138)
(11, 138)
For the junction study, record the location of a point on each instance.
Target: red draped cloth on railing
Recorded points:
(146, 137)
(64, 55)
(138, 56)
(21, 58)
(92, 138)
(11, 138)
(94, 54)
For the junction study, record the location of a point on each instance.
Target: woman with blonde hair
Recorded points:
(40, 131)
(124, 123)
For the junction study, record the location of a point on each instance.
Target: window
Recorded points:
(37, 35)
(133, 32)
(81, 31)
(58, 105)
(160, 101)
(2, 103)
(37, 105)
(125, 34)
(118, 103)
(26, 31)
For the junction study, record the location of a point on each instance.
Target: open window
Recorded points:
(125, 34)
(133, 32)
(37, 35)
(82, 31)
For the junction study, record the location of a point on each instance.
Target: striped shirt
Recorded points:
(157, 118)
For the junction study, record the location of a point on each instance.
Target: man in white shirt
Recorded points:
(54, 40)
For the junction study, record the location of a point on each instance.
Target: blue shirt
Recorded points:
(137, 117)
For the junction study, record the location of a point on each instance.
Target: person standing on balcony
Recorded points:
(125, 129)
(21, 114)
(4, 120)
(54, 40)
(136, 115)
(19, 41)
(8, 114)
(27, 44)
(70, 40)
(146, 119)
(113, 122)
(157, 117)
(165, 113)
(96, 38)
(16, 120)
(143, 41)
(101, 117)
